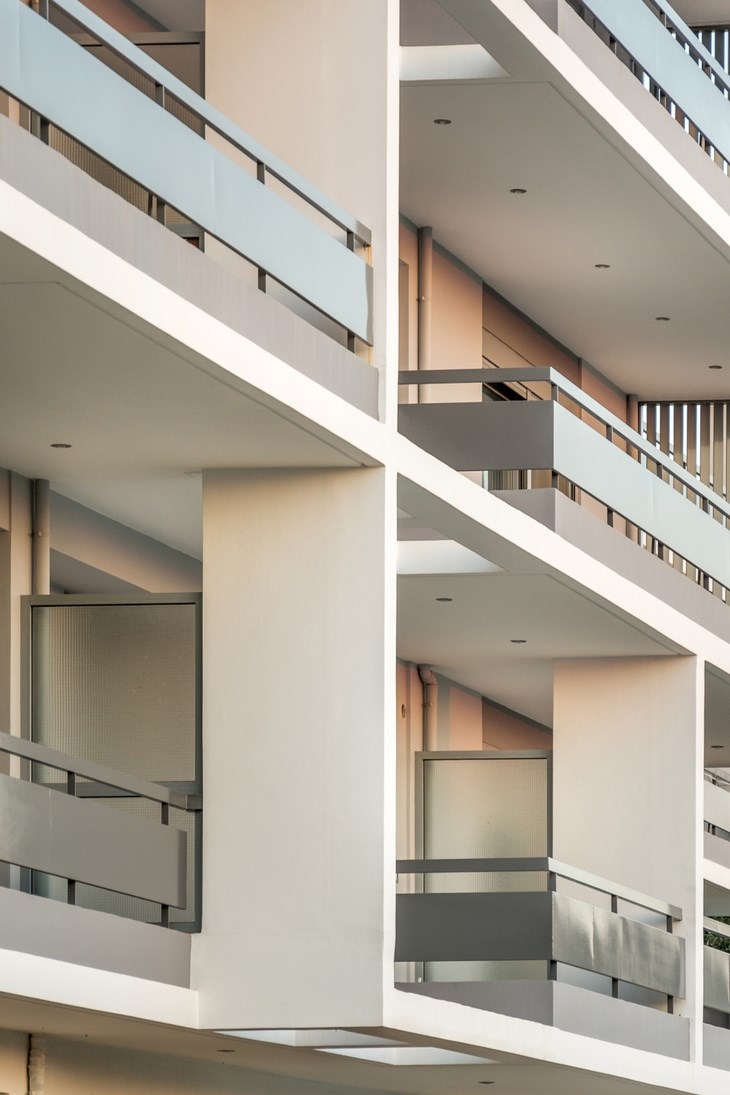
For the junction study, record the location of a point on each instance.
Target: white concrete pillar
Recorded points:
(298, 748)
(627, 784)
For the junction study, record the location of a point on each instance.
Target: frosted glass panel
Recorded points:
(488, 809)
(115, 684)
(485, 808)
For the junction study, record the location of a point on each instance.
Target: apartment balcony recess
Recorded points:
(671, 62)
(301, 245)
(486, 917)
(63, 839)
(101, 797)
(570, 443)
(717, 819)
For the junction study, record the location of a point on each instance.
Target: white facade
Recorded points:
(432, 674)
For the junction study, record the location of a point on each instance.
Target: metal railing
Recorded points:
(661, 505)
(55, 829)
(542, 925)
(182, 169)
(661, 50)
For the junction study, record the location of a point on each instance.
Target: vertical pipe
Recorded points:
(430, 706)
(41, 529)
(425, 281)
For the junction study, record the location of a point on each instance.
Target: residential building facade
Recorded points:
(364, 546)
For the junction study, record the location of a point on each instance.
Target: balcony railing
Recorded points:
(584, 448)
(60, 829)
(546, 926)
(661, 51)
(317, 252)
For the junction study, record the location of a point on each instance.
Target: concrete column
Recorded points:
(627, 785)
(299, 754)
(16, 575)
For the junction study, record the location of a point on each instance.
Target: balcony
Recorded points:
(101, 838)
(515, 931)
(89, 93)
(544, 455)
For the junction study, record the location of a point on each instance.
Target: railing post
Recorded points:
(614, 980)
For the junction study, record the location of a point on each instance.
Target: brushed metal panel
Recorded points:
(717, 979)
(56, 77)
(604, 942)
(641, 33)
(482, 436)
(454, 927)
(717, 806)
(55, 833)
(608, 474)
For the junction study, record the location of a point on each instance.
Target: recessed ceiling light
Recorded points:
(518, 642)
(442, 121)
(662, 319)
(716, 747)
(444, 598)
(518, 190)
(603, 266)
(60, 445)
(714, 366)
(486, 1081)
(225, 1051)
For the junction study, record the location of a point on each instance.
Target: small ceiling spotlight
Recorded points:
(603, 266)
(517, 190)
(60, 445)
(714, 366)
(225, 1051)
(444, 599)
(442, 121)
(717, 747)
(662, 319)
(518, 642)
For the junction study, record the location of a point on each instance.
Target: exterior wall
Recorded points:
(628, 757)
(308, 96)
(299, 756)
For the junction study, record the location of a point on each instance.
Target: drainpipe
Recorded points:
(36, 1065)
(429, 680)
(41, 529)
(425, 281)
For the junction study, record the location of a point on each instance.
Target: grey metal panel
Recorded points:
(717, 805)
(603, 942)
(481, 436)
(716, 1047)
(621, 483)
(717, 979)
(55, 833)
(85, 937)
(717, 849)
(454, 927)
(641, 33)
(61, 81)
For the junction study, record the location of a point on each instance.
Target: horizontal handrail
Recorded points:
(675, 22)
(549, 375)
(716, 926)
(539, 863)
(212, 117)
(131, 785)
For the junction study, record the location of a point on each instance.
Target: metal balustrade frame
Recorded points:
(55, 77)
(617, 466)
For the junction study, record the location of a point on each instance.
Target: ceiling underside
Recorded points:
(587, 202)
(260, 1065)
(143, 417)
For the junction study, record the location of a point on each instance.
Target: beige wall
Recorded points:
(325, 103)
(503, 729)
(298, 747)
